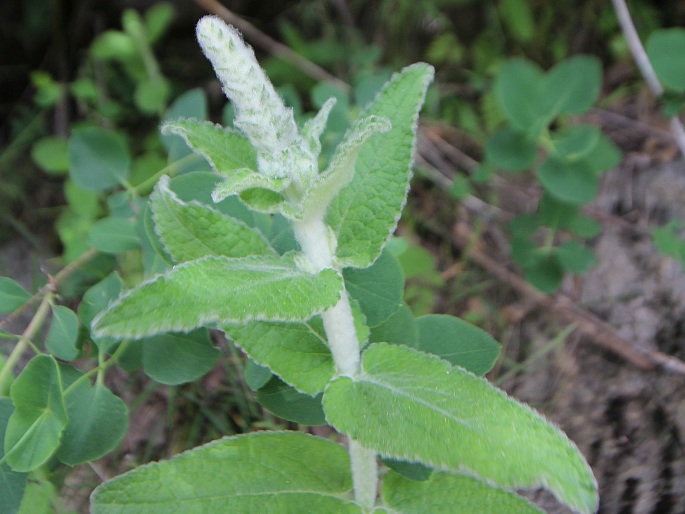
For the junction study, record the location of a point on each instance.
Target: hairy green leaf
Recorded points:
(445, 493)
(192, 230)
(220, 290)
(35, 427)
(265, 472)
(225, 149)
(412, 406)
(296, 352)
(341, 169)
(365, 213)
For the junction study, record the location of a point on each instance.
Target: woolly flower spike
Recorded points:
(260, 112)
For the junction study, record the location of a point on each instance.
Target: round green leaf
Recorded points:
(36, 425)
(576, 257)
(378, 288)
(665, 49)
(603, 156)
(519, 90)
(63, 333)
(288, 403)
(12, 483)
(12, 295)
(113, 235)
(178, 358)
(151, 95)
(98, 421)
(113, 44)
(544, 271)
(573, 143)
(511, 149)
(98, 159)
(458, 342)
(50, 153)
(573, 85)
(399, 328)
(570, 182)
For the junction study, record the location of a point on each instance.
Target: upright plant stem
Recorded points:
(338, 321)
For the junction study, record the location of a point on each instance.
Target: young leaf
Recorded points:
(243, 180)
(220, 290)
(458, 342)
(341, 169)
(412, 406)
(296, 352)
(98, 159)
(35, 427)
(225, 149)
(98, 421)
(12, 483)
(365, 213)
(270, 472)
(288, 403)
(378, 288)
(193, 230)
(447, 493)
(12, 295)
(178, 358)
(63, 334)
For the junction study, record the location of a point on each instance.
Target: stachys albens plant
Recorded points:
(312, 295)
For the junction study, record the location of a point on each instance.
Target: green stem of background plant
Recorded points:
(315, 239)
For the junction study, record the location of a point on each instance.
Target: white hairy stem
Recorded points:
(318, 246)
